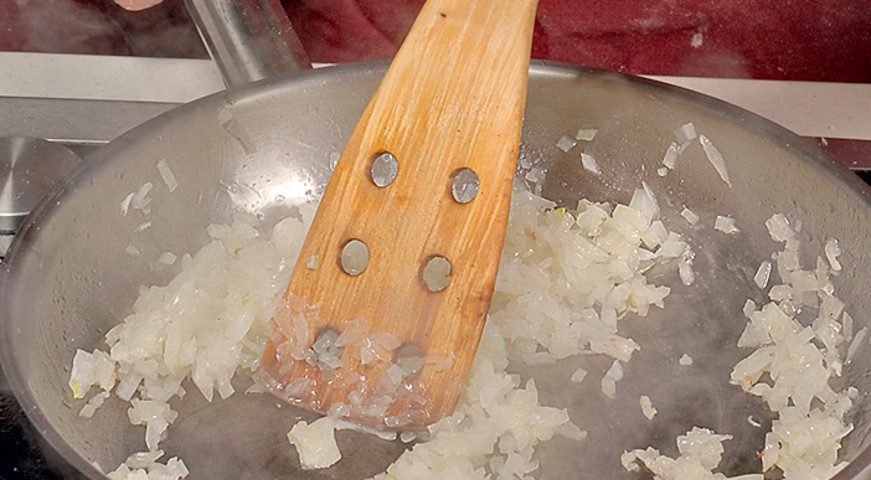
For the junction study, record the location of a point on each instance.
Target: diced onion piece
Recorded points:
(749, 308)
(685, 133)
(762, 274)
(671, 154)
(579, 375)
(586, 134)
(140, 200)
(725, 224)
(566, 143)
(93, 404)
(833, 250)
(167, 175)
(627, 459)
(690, 217)
(856, 344)
(649, 192)
(700, 452)
(590, 164)
(90, 369)
(612, 376)
(779, 229)
(685, 270)
(685, 360)
(167, 258)
(125, 204)
(716, 159)
(144, 466)
(315, 443)
(647, 407)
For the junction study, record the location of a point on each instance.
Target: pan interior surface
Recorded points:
(69, 279)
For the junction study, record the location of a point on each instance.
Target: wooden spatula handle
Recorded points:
(452, 99)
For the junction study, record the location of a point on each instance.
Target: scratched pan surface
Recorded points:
(68, 279)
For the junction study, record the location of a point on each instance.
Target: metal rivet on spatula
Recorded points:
(354, 257)
(464, 185)
(384, 169)
(436, 273)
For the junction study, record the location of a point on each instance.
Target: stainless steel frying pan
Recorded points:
(68, 279)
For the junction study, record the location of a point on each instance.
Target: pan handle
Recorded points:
(250, 40)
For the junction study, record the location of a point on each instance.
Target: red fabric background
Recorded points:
(825, 40)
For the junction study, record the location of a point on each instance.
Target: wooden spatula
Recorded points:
(388, 299)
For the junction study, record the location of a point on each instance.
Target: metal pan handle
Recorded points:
(250, 40)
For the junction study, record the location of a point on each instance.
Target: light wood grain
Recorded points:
(452, 98)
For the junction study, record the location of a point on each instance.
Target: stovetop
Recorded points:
(25, 454)
(102, 97)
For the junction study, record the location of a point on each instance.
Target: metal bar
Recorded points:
(74, 121)
(107, 77)
(250, 40)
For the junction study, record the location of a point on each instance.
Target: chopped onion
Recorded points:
(690, 217)
(125, 204)
(700, 452)
(590, 164)
(167, 175)
(579, 375)
(93, 404)
(671, 154)
(792, 365)
(685, 360)
(779, 229)
(749, 308)
(315, 443)
(144, 466)
(647, 407)
(685, 133)
(566, 143)
(612, 376)
(650, 195)
(833, 250)
(716, 158)
(762, 274)
(685, 269)
(167, 258)
(586, 134)
(856, 344)
(227, 319)
(140, 200)
(725, 224)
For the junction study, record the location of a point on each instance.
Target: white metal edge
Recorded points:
(813, 109)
